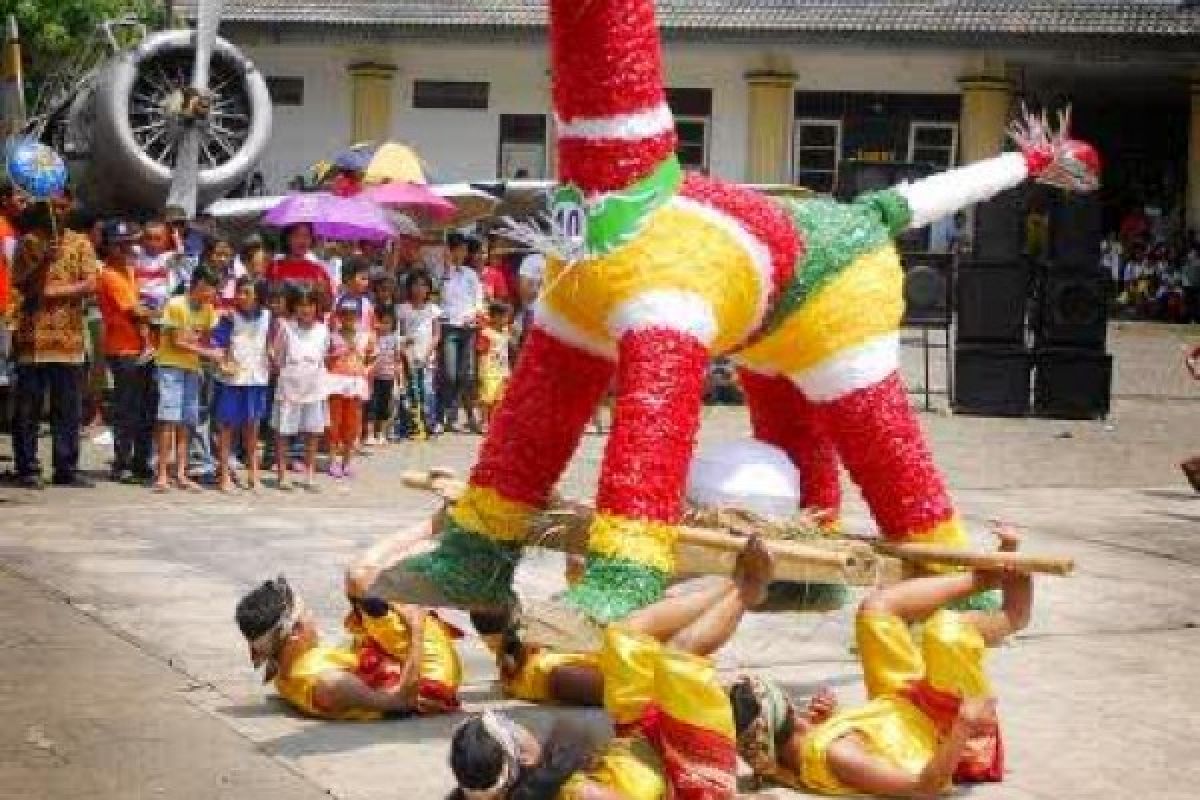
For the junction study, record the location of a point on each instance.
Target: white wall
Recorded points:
(462, 145)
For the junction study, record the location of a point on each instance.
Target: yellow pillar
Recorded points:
(771, 111)
(1193, 173)
(371, 101)
(986, 101)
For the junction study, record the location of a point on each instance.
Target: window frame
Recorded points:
(420, 103)
(544, 143)
(798, 125)
(916, 125)
(706, 122)
(276, 82)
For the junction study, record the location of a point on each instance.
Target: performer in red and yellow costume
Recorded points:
(931, 716)
(401, 658)
(674, 724)
(653, 272)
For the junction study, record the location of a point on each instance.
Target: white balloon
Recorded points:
(746, 474)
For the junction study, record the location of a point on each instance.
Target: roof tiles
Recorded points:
(1034, 17)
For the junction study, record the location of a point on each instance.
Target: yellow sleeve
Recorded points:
(175, 314)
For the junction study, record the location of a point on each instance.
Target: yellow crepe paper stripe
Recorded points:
(679, 250)
(488, 513)
(865, 301)
(651, 544)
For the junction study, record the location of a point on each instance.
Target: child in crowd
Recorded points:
(383, 374)
(351, 355)
(418, 322)
(242, 384)
(153, 269)
(495, 341)
(385, 295)
(187, 322)
(298, 352)
(275, 299)
(356, 289)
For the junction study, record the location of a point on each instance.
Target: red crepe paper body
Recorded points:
(537, 426)
(781, 415)
(660, 382)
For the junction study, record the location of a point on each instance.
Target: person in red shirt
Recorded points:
(298, 267)
(135, 393)
(499, 282)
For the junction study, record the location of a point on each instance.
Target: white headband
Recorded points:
(501, 730)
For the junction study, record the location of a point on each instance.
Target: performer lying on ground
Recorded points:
(675, 733)
(931, 717)
(380, 672)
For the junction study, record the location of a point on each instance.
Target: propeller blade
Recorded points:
(185, 180)
(208, 16)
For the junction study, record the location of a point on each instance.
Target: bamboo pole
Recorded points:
(928, 554)
(700, 551)
(852, 560)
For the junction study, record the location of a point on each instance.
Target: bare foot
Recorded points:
(161, 486)
(1007, 536)
(755, 567)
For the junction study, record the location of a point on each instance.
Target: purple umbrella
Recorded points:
(332, 217)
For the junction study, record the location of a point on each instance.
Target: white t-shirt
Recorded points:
(533, 269)
(462, 296)
(416, 325)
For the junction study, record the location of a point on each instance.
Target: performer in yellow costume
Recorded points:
(379, 672)
(675, 731)
(931, 716)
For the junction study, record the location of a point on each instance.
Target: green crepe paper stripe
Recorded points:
(835, 235)
(470, 568)
(991, 600)
(613, 588)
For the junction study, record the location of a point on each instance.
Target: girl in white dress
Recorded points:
(298, 352)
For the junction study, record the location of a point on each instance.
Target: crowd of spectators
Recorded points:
(205, 360)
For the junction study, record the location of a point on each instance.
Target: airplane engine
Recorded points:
(123, 130)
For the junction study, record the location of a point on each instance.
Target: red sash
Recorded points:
(983, 759)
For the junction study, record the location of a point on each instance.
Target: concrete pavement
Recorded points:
(143, 669)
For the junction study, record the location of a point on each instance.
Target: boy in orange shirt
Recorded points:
(135, 395)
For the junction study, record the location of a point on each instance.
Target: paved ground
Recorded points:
(124, 676)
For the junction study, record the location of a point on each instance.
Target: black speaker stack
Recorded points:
(1031, 326)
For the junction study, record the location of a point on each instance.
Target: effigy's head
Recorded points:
(1077, 168)
(1054, 157)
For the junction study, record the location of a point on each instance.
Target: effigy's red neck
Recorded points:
(614, 126)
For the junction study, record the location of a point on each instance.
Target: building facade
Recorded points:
(763, 91)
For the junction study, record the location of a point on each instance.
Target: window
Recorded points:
(522, 147)
(692, 145)
(286, 91)
(817, 149)
(693, 112)
(933, 143)
(451, 94)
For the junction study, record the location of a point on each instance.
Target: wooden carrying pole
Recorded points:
(854, 561)
(700, 551)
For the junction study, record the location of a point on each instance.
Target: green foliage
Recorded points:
(54, 31)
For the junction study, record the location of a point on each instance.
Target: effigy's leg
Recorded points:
(781, 415)
(631, 544)
(533, 434)
(883, 447)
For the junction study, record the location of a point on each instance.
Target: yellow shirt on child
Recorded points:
(180, 317)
